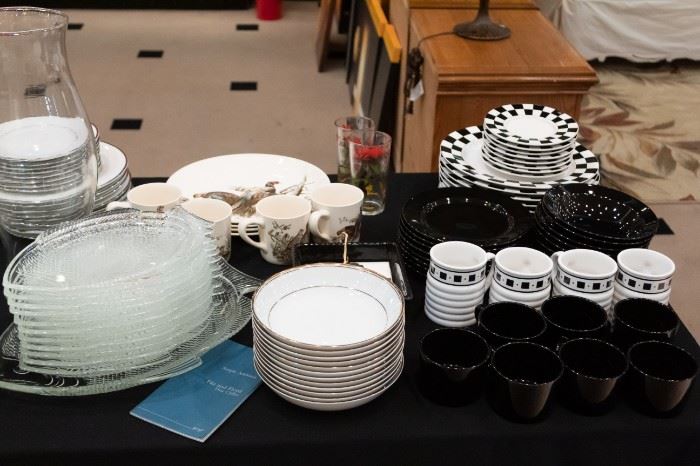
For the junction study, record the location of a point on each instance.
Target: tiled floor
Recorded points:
(170, 87)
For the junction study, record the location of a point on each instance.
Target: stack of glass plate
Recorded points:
(117, 299)
(578, 216)
(486, 218)
(48, 173)
(463, 163)
(113, 178)
(530, 140)
(328, 336)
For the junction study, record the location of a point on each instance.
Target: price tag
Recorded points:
(417, 91)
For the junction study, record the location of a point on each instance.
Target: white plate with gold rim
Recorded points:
(342, 368)
(325, 306)
(341, 372)
(324, 379)
(345, 390)
(315, 397)
(329, 358)
(335, 405)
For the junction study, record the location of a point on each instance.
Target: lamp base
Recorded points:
(482, 28)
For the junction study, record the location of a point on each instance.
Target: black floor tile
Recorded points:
(37, 90)
(150, 54)
(126, 123)
(75, 26)
(247, 27)
(244, 86)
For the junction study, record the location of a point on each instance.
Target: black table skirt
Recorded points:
(399, 428)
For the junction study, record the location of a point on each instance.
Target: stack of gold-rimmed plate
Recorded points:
(328, 336)
(113, 178)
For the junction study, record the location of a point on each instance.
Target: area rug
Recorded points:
(643, 121)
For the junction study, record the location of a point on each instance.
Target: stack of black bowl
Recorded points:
(580, 216)
(489, 219)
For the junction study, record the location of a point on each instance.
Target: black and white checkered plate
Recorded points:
(531, 125)
(461, 158)
(528, 200)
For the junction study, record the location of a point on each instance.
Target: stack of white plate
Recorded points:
(116, 294)
(48, 174)
(463, 163)
(233, 177)
(96, 136)
(328, 337)
(113, 178)
(529, 140)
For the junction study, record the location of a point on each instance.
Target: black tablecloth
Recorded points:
(400, 427)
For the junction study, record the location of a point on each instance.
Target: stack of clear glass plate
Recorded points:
(48, 173)
(118, 299)
(113, 178)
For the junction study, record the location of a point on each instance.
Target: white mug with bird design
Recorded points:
(282, 221)
(337, 209)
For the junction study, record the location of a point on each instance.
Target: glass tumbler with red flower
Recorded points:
(354, 128)
(369, 167)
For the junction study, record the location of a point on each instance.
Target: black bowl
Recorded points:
(640, 319)
(545, 219)
(452, 365)
(592, 369)
(600, 212)
(570, 317)
(471, 214)
(523, 374)
(506, 322)
(660, 376)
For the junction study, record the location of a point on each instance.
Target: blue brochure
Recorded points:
(196, 403)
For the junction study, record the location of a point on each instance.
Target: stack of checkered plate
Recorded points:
(522, 150)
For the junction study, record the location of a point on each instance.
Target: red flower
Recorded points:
(369, 152)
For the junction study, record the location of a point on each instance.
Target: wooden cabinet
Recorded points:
(464, 79)
(399, 13)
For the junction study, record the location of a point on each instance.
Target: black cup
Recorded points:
(660, 376)
(523, 374)
(570, 317)
(639, 319)
(452, 365)
(506, 322)
(592, 369)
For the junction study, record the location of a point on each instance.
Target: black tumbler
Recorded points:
(570, 317)
(523, 374)
(592, 369)
(639, 319)
(453, 363)
(660, 376)
(506, 322)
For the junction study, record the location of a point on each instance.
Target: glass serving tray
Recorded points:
(232, 311)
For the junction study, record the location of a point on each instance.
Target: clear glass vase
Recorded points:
(369, 169)
(48, 167)
(353, 128)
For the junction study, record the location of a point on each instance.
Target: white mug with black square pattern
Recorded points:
(521, 274)
(584, 272)
(456, 283)
(643, 273)
(459, 264)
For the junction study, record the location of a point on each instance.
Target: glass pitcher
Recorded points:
(48, 167)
